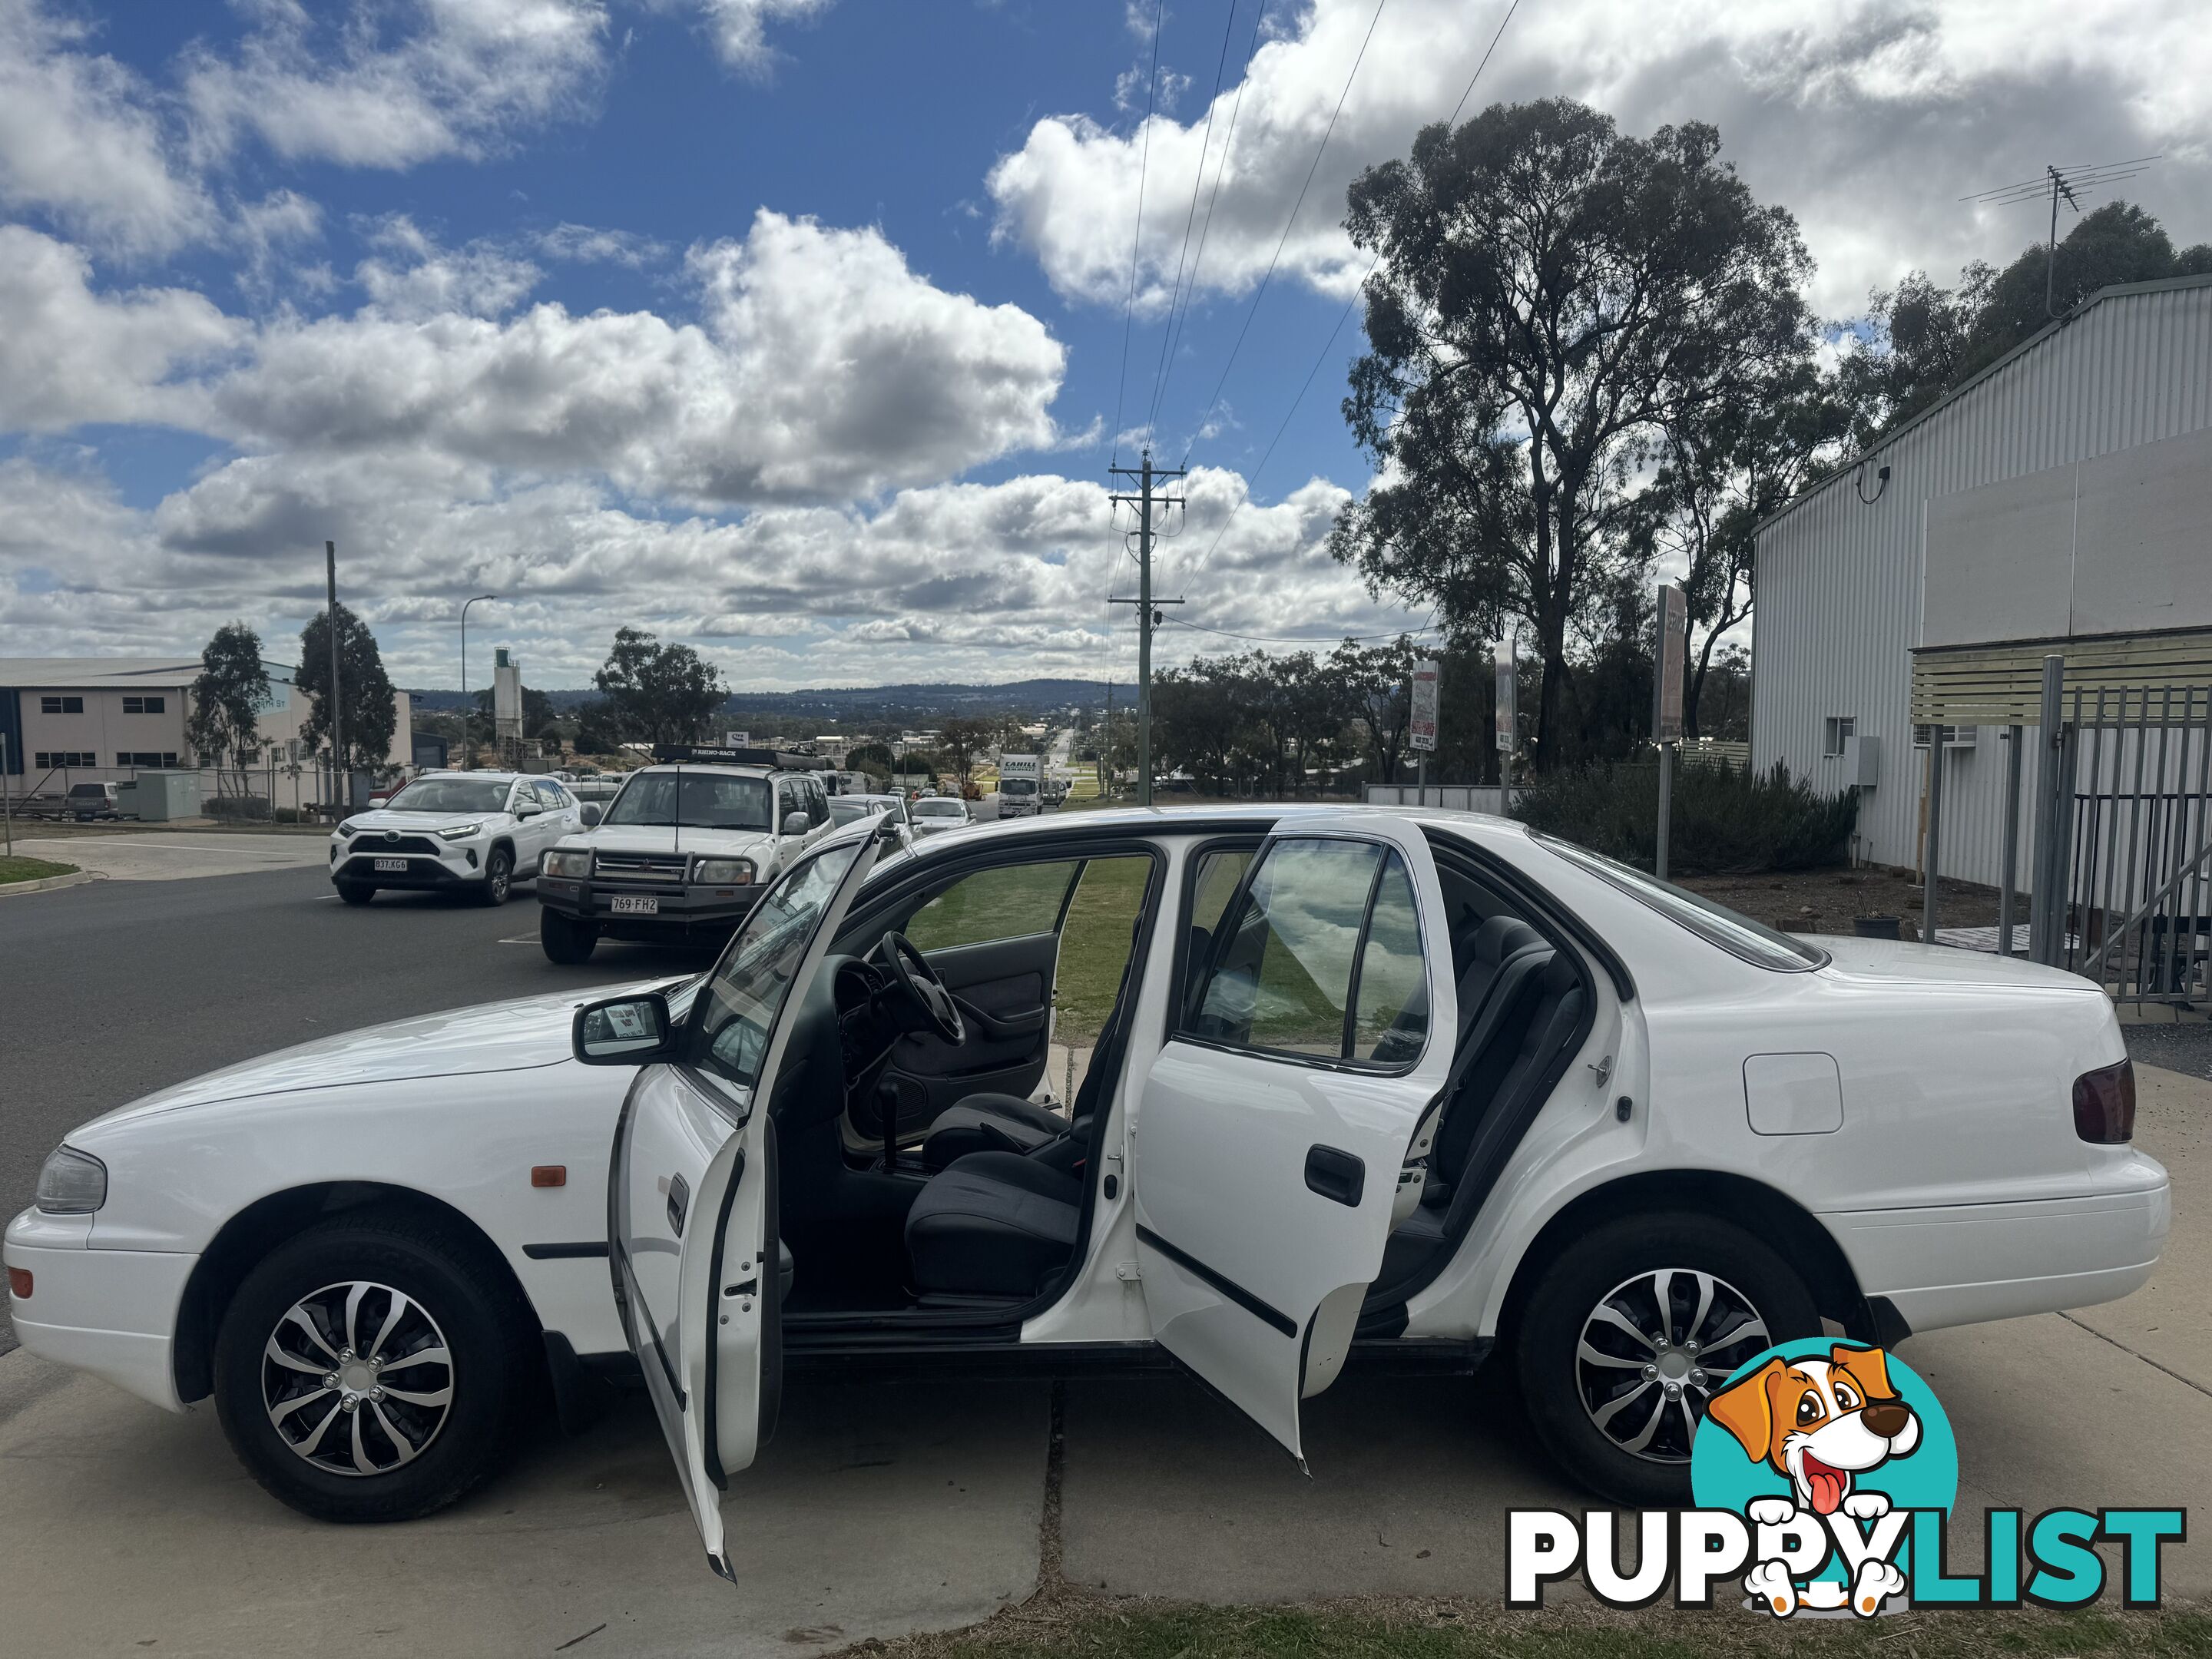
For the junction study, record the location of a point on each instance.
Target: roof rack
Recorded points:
(779, 760)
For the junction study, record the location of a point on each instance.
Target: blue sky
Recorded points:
(794, 328)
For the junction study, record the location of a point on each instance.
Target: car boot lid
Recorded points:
(1892, 962)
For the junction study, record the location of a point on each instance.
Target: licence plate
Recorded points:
(396, 866)
(632, 904)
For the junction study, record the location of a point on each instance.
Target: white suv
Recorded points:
(680, 858)
(478, 831)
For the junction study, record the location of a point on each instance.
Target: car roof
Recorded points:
(732, 768)
(479, 775)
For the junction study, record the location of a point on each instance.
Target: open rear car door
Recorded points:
(1274, 1124)
(691, 1187)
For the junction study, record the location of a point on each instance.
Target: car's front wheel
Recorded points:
(356, 892)
(567, 940)
(498, 877)
(1623, 1339)
(371, 1367)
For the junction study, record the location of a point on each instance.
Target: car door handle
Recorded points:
(998, 1029)
(1336, 1175)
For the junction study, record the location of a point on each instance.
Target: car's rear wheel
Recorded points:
(498, 877)
(372, 1369)
(567, 940)
(1622, 1339)
(354, 892)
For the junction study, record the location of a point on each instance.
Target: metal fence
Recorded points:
(1452, 797)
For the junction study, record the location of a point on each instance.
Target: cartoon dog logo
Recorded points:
(1821, 1423)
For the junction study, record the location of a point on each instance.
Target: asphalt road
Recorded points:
(115, 988)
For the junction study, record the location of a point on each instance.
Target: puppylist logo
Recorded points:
(1824, 1474)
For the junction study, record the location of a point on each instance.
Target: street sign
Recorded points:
(1508, 677)
(737, 739)
(1422, 732)
(1673, 627)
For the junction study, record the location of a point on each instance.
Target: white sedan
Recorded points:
(1412, 1087)
(935, 814)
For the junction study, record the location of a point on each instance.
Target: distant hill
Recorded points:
(871, 704)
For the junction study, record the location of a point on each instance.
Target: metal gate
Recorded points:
(2131, 788)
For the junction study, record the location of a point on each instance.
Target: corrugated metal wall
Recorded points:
(1840, 578)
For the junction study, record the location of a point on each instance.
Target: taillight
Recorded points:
(19, 1284)
(2105, 1104)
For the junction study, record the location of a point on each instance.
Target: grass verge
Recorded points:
(1075, 1622)
(15, 870)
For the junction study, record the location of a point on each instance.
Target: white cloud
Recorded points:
(589, 244)
(822, 368)
(68, 355)
(1868, 119)
(386, 87)
(739, 28)
(80, 139)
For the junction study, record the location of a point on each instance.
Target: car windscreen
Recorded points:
(938, 809)
(848, 809)
(451, 795)
(1738, 935)
(696, 800)
(749, 985)
(1018, 786)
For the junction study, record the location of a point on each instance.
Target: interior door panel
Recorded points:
(1006, 991)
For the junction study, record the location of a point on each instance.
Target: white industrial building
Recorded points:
(82, 720)
(2060, 502)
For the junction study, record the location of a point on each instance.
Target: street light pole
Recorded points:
(479, 599)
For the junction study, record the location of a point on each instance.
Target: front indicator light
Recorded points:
(2105, 1104)
(19, 1284)
(71, 1183)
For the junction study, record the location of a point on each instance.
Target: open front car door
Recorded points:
(1274, 1124)
(691, 1188)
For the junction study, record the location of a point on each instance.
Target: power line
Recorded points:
(1342, 318)
(1172, 335)
(1261, 292)
(1137, 234)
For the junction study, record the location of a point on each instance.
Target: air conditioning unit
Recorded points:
(1862, 761)
(1954, 736)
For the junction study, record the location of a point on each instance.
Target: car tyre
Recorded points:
(567, 940)
(354, 892)
(1622, 1267)
(461, 1301)
(498, 877)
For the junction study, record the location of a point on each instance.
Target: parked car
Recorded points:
(935, 814)
(680, 858)
(471, 832)
(1416, 1090)
(851, 809)
(86, 801)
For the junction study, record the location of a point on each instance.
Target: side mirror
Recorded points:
(796, 823)
(528, 809)
(591, 815)
(632, 1031)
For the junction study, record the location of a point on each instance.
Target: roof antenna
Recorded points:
(2071, 185)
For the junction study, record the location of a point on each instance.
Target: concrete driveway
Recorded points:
(140, 856)
(881, 1509)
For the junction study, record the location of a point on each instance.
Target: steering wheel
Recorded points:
(922, 986)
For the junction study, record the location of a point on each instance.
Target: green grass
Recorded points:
(1070, 1622)
(15, 870)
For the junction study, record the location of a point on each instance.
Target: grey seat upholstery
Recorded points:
(988, 1122)
(993, 1223)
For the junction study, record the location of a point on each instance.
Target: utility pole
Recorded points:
(1106, 750)
(479, 599)
(337, 721)
(1148, 616)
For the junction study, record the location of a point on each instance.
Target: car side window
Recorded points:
(1009, 901)
(1321, 959)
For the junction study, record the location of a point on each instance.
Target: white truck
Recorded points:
(1021, 786)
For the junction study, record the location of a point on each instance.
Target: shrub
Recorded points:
(1727, 820)
(288, 814)
(237, 808)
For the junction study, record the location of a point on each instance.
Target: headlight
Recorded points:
(348, 828)
(728, 872)
(577, 862)
(72, 1183)
(459, 831)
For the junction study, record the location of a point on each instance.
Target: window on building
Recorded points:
(61, 705)
(53, 758)
(145, 705)
(1837, 729)
(145, 757)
